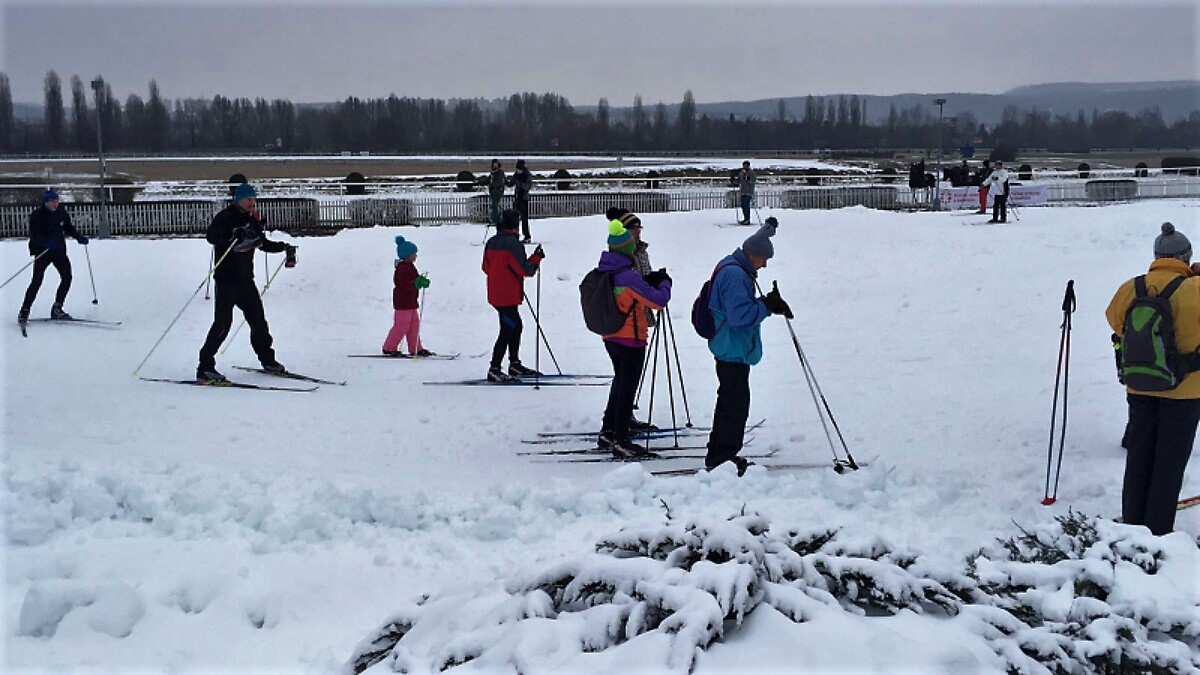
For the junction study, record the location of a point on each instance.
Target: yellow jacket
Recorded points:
(1185, 308)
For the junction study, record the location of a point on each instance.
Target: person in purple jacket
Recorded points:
(627, 346)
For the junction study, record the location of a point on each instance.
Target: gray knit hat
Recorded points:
(759, 244)
(1172, 244)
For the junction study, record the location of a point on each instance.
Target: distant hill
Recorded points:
(1175, 99)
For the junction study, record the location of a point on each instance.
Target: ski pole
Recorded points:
(814, 389)
(670, 389)
(646, 366)
(421, 311)
(541, 333)
(208, 284)
(95, 299)
(679, 365)
(260, 295)
(537, 345)
(35, 258)
(1063, 370)
(181, 310)
(653, 382)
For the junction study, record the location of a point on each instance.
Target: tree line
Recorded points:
(539, 122)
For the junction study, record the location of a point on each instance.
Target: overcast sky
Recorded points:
(328, 50)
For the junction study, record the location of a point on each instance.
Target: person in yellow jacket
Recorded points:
(1162, 424)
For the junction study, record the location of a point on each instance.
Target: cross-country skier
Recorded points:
(48, 226)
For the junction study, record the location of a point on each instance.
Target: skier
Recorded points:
(407, 284)
(997, 184)
(522, 182)
(495, 185)
(1162, 424)
(737, 345)
(506, 267)
(627, 346)
(746, 180)
(48, 225)
(984, 172)
(235, 233)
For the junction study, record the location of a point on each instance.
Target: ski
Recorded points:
(566, 376)
(292, 376)
(24, 331)
(86, 322)
(1188, 503)
(226, 385)
(652, 456)
(518, 383)
(768, 467)
(597, 450)
(406, 357)
(548, 436)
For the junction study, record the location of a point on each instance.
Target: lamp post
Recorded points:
(937, 183)
(98, 87)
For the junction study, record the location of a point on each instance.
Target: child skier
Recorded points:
(407, 320)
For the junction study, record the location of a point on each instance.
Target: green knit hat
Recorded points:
(620, 240)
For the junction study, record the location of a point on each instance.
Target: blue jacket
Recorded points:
(737, 312)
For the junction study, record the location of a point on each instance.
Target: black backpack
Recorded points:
(599, 303)
(1149, 359)
(702, 317)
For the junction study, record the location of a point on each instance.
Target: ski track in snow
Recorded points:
(275, 530)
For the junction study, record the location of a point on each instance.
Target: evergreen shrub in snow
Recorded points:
(1067, 597)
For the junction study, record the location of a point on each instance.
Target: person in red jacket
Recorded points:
(506, 267)
(407, 321)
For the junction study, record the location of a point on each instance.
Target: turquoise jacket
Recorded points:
(737, 312)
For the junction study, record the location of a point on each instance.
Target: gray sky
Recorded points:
(325, 51)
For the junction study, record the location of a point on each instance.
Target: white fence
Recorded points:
(302, 214)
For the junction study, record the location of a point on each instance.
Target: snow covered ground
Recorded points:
(153, 527)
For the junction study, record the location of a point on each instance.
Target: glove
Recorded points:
(538, 252)
(421, 282)
(52, 245)
(83, 240)
(658, 276)
(776, 304)
(289, 256)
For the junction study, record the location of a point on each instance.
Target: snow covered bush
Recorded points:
(1068, 597)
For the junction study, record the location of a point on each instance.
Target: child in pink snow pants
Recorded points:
(408, 283)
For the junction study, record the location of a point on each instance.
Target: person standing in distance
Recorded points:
(48, 226)
(997, 184)
(738, 315)
(522, 182)
(235, 233)
(746, 180)
(495, 185)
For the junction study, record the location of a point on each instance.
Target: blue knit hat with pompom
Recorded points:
(405, 249)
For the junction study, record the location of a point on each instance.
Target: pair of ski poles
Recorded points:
(662, 326)
(92, 277)
(1062, 373)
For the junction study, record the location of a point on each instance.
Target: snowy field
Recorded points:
(160, 528)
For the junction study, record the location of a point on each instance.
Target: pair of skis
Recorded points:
(80, 322)
(230, 384)
(565, 380)
(406, 357)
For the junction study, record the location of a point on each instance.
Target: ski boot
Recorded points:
(56, 312)
(274, 368)
(23, 316)
(496, 375)
(210, 376)
(516, 369)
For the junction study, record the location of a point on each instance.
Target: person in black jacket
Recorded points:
(522, 182)
(495, 183)
(235, 233)
(48, 226)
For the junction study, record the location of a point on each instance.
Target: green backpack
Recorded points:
(1148, 358)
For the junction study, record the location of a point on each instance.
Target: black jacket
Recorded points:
(496, 183)
(46, 226)
(238, 264)
(522, 181)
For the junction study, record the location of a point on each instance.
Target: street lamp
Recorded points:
(98, 87)
(937, 183)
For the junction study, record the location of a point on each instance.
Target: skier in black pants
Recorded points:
(522, 182)
(48, 226)
(236, 233)
(998, 187)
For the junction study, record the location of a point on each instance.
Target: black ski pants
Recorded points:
(510, 336)
(729, 417)
(1000, 207)
(244, 296)
(627, 370)
(521, 204)
(1159, 437)
(62, 264)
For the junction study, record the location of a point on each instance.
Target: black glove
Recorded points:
(658, 276)
(776, 304)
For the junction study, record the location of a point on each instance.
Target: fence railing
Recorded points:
(327, 214)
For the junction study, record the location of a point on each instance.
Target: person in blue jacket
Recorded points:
(49, 226)
(738, 313)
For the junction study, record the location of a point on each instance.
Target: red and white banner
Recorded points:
(956, 198)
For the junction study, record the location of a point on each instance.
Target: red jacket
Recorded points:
(404, 295)
(506, 267)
